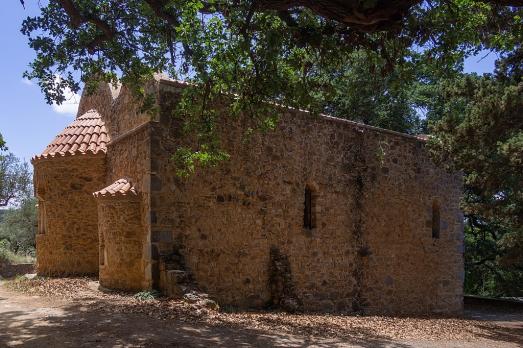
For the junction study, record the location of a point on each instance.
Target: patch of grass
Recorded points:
(147, 295)
(19, 283)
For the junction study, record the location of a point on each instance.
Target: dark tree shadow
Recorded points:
(94, 322)
(79, 325)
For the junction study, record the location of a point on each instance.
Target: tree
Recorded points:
(481, 132)
(283, 50)
(259, 49)
(362, 89)
(18, 226)
(15, 179)
(2, 143)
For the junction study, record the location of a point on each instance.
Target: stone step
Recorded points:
(178, 282)
(173, 280)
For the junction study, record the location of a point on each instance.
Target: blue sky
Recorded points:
(27, 123)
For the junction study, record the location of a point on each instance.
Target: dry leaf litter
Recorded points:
(85, 290)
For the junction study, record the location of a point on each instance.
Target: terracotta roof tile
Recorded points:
(121, 187)
(87, 134)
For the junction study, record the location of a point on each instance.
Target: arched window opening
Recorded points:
(436, 220)
(309, 220)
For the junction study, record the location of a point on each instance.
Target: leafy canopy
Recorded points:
(273, 50)
(480, 131)
(304, 54)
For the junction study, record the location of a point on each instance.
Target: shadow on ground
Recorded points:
(502, 334)
(82, 326)
(75, 324)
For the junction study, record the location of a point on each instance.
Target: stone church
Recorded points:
(320, 214)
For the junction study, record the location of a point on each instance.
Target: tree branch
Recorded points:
(158, 7)
(383, 15)
(77, 19)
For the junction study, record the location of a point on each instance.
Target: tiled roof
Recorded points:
(120, 187)
(87, 134)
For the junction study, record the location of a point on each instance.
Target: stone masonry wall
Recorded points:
(64, 187)
(121, 243)
(128, 154)
(120, 112)
(371, 246)
(130, 158)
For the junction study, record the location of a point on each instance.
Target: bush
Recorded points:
(147, 295)
(4, 252)
(7, 256)
(18, 226)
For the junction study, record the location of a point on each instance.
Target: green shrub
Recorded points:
(147, 295)
(7, 256)
(18, 226)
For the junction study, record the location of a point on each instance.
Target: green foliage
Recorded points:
(18, 222)
(187, 160)
(493, 259)
(147, 295)
(481, 133)
(15, 179)
(364, 91)
(3, 147)
(7, 256)
(4, 252)
(18, 227)
(248, 50)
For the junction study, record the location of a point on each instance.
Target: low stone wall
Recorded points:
(12, 270)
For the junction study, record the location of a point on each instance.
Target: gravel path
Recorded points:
(73, 313)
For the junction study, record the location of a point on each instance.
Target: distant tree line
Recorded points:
(18, 218)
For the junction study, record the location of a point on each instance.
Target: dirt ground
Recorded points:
(78, 315)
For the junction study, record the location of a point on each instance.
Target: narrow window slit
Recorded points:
(308, 218)
(436, 220)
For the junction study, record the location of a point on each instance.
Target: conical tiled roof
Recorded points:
(121, 187)
(87, 134)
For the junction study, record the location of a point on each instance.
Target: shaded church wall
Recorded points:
(129, 157)
(67, 242)
(407, 268)
(370, 246)
(121, 243)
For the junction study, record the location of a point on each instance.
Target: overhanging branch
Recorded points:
(77, 19)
